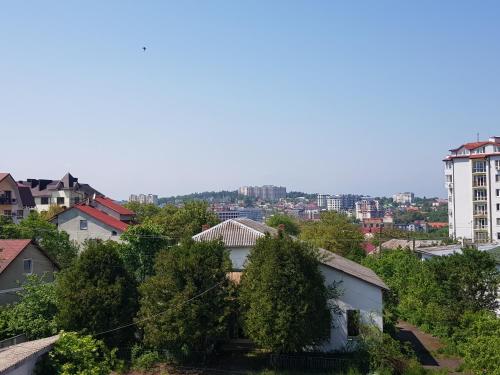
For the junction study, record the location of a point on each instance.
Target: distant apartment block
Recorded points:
(255, 214)
(368, 208)
(267, 192)
(65, 192)
(339, 203)
(144, 198)
(472, 180)
(403, 198)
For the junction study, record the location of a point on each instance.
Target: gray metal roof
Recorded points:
(16, 355)
(243, 232)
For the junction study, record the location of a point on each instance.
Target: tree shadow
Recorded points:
(423, 355)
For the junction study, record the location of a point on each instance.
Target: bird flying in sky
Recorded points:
(144, 49)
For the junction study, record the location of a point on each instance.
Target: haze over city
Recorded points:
(319, 97)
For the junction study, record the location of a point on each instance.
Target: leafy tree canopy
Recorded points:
(284, 297)
(144, 241)
(290, 224)
(55, 242)
(335, 232)
(174, 313)
(97, 293)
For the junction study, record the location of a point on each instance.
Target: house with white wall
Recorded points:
(362, 289)
(83, 222)
(65, 192)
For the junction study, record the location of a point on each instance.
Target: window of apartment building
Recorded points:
(478, 167)
(479, 150)
(497, 165)
(498, 192)
(498, 236)
(480, 209)
(114, 233)
(481, 236)
(28, 266)
(497, 148)
(479, 180)
(449, 178)
(20, 214)
(83, 225)
(498, 206)
(497, 178)
(353, 320)
(480, 195)
(60, 200)
(449, 164)
(44, 200)
(7, 213)
(498, 221)
(480, 223)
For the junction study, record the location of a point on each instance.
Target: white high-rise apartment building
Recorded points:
(266, 192)
(472, 179)
(322, 199)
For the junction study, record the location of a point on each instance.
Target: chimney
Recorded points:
(495, 139)
(205, 227)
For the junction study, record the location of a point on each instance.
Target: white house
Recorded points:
(83, 222)
(16, 200)
(361, 288)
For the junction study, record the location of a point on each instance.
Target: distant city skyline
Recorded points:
(324, 97)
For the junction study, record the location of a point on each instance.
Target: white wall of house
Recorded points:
(69, 221)
(357, 294)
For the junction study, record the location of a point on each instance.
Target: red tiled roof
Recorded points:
(102, 217)
(112, 205)
(9, 250)
(437, 225)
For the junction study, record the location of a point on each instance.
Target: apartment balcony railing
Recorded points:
(480, 199)
(481, 213)
(480, 227)
(479, 185)
(448, 185)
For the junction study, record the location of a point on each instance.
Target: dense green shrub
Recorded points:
(184, 306)
(284, 297)
(73, 354)
(34, 314)
(96, 294)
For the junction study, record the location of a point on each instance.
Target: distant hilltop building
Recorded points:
(403, 198)
(266, 192)
(472, 180)
(144, 199)
(368, 208)
(339, 203)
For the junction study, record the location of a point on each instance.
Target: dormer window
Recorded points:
(479, 150)
(463, 151)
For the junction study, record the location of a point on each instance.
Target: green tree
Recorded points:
(144, 241)
(184, 307)
(284, 297)
(469, 280)
(184, 222)
(55, 242)
(97, 294)
(290, 224)
(75, 354)
(335, 232)
(143, 211)
(34, 314)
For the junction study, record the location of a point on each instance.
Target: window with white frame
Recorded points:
(480, 194)
(449, 164)
(479, 150)
(479, 167)
(497, 165)
(498, 221)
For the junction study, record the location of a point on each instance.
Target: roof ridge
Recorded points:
(247, 227)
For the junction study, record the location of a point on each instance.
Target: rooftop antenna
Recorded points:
(477, 136)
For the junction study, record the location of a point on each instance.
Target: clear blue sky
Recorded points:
(319, 96)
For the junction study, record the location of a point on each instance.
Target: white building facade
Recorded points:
(403, 198)
(472, 180)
